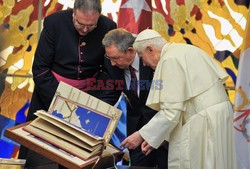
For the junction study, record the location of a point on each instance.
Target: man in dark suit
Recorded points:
(137, 80)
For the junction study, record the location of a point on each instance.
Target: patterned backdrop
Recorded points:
(217, 26)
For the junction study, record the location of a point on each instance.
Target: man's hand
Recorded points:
(132, 141)
(146, 148)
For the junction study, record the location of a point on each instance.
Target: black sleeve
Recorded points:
(104, 91)
(112, 73)
(116, 76)
(45, 82)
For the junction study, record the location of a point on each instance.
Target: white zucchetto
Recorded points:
(147, 34)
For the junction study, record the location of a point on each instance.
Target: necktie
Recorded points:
(133, 81)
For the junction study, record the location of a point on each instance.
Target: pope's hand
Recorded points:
(132, 141)
(146, 148)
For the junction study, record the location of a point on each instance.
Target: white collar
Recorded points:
(136, 62)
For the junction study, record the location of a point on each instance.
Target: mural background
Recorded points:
(217, 26)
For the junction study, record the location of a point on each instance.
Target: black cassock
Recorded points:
(62, 50)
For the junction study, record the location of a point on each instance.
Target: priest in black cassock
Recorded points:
(70, 50)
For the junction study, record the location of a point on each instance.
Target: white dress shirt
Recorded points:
(135, 64)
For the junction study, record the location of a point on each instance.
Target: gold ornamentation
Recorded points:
(245, 100)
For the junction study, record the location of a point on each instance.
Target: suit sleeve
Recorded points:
(113, 73)
(45, 82)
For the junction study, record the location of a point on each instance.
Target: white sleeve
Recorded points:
(161, 125)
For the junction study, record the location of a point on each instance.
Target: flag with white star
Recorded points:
(135, 15)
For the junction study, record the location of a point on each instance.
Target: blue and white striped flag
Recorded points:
(121, 130)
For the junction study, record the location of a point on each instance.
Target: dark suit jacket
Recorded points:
(138, 114)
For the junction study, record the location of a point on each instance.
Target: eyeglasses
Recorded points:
(112, 59)
(81, 26)
(116, 58)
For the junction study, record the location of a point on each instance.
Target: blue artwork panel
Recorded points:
(6, 149)
(6, 144)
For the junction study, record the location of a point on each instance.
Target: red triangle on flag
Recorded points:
(135, 19)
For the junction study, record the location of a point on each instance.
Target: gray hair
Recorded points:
(157, 43)
(88, 5)
(119, 37)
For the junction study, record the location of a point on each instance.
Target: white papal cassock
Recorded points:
(195, 115)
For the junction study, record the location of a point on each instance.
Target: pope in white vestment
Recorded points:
(194, 113)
